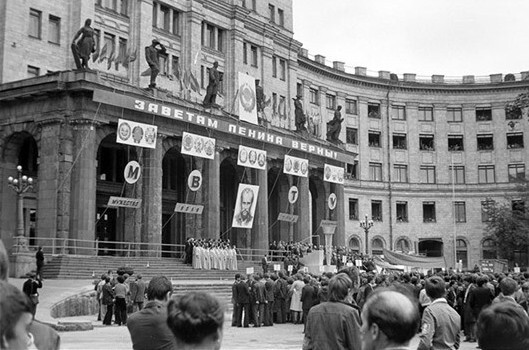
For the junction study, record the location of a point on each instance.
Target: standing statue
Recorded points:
(213, 86)
(153, 60)
(85, 46)
(300, 115)
(335, 126)
(259, 96)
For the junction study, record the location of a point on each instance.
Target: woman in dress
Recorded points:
(85, 45)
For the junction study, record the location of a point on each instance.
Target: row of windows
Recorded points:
(427, 173)
(485, 142)
(280, 19)
(453, 114)
(35, 26)
(428, 210)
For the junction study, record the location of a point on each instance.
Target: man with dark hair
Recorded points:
(508, 287)
(503, 326)
(137, 293)
(334, 324)
(269, 306)
(152, 56)
(107, 299)
(258, 300)
(148, 327)
(30, 288)
(234, 321)
(39, 257)
(440, 322)
(243, 302)
(280, 297)
(389, 321)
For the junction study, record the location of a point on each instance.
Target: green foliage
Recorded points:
(508, 224)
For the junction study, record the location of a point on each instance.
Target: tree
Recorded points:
(508, 223)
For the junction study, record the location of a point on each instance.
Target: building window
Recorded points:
(513, 113)
(375, 171)
(163, 61)
(244, 53)
(401, 172)
(486, 174)
(313, 95)
(516, 172)
(374, 138)
(426, 143)
(175, 66)
(427, 174)
(254, 55)
(402, 211)
(352, 170)
(281, 17)
(330, 101)
(515, 140)
(176, 22)
(485, 142)
(354, 245)
(54, 30)
(483, 114)
(212, 37)
(402, 245)
(458, 172)
(373, 110)
(376, 210)
(33, 72)
(351, 136)
(428, 211)
(353, 209)
(272, 13)
(282, 106)
(377, 247)
(274, 102)
(454, 115)
(426, 114)
(351, 107)
(274, 67)
(460, 214)
(398, 112)
(488, 249)
(110, 43)
(124, 8)
(155, 15)
(399, 141)
(122, 49)
(283, 69)
(461, 252)
(166, 16)
(455, 143)
(35, 21)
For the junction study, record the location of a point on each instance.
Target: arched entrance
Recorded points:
(318, 207)
(174, 187)
(431, 247)
(277, 203)
(229, 182)
(462, 252)
(113, 224)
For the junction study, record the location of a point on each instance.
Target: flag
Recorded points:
(268, 102)
(186, 79)
(103, 53)
(176, 71)
(111, 58)
(195, 86)
(196, 57)
(146, 73)
(133, 55)
(125, 60)
(119, 59)
(95, 55)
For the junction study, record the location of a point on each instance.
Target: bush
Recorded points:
(125, 270)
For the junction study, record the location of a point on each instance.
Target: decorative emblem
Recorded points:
(137, 134)
(150, 135)
(247, 97)
(124, 131)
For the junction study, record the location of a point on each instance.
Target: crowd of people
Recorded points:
(210, 254)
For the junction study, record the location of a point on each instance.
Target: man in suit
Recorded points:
(280, 296)
(235, 314)
(269, 306)
(30, 289)
(243, 302)
(264, 264)
(258, 300)
(307, 299)
(137, 293)
(148, 327)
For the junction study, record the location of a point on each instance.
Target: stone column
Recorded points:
(260, 223)
(303, 226)
(339, 237)
(212, 196)
(83, 182)
(152, 197)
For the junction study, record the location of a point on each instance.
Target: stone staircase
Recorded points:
(222, 291)
(87, 267)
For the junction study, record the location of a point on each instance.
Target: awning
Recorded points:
(395, 258)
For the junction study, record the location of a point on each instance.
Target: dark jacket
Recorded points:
(269, 290)
(242, 293)
(259, 293)
(148, 328)
(281, 289)
(307, 297)
(137, 291)
(108, 295)
(478, 298)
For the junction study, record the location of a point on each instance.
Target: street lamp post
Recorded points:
(20, 184)
(366, 226)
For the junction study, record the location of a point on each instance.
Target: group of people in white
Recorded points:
(214, 256)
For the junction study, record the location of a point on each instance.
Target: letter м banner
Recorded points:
(247, 99)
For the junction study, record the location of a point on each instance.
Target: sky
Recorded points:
(425, 37)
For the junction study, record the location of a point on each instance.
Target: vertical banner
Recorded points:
(333, 174)
(247, 99)
(245, 206)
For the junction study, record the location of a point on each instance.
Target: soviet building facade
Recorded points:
(420, 157)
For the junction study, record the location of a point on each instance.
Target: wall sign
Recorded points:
(194, 181)
(132, 172)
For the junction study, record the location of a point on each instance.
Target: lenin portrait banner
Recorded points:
(245, 207)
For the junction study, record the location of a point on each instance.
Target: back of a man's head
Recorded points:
(158, 288)
(394, 313)
(508, 286)
(339, 287)
(503, 326)
(435, 287)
